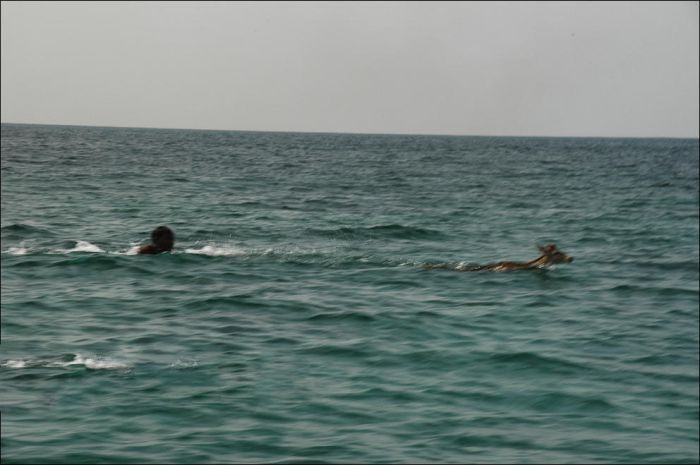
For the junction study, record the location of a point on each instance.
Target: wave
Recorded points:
(452, 266)
(653, 290)
(79, 246)
(96, 363)
(329, 256)
(95, 261)
(218, 251)
(17, 251)
(184, 363)
(92, 363)
(531, 360)
(87, 249)
(84, 246)
(87, 254)
(391, 231)
(325, 256)
(14, 364)
(342, 316)
(22, 230)
(690, 265)
(134, 250)
(338, 350)
(570, 402)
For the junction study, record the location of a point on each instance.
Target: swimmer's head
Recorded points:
(163, 238)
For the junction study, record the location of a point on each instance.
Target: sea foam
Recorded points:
(84, 246)
(17, 251)
(93, 363)
(14, 364)
(217, 251)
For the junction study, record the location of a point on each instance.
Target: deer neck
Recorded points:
(542, 260)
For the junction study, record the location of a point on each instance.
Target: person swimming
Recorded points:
(162, 239)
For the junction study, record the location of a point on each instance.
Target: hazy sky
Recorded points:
(569, 69)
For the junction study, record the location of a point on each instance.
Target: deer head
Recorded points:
(554, 255)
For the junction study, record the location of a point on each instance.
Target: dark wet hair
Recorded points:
(163, 234)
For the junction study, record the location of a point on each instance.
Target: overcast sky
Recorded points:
(472, 68)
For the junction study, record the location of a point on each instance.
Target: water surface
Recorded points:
(294, 321)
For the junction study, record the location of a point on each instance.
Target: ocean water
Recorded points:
(294, 321)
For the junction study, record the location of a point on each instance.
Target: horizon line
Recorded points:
(350, 133)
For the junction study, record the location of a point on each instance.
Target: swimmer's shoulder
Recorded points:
(148, 249)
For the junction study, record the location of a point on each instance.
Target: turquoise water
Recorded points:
(294, 322)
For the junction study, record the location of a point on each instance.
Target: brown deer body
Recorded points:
(550, 256)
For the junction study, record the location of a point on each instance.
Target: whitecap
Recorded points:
(17, 251)
(96, 364)
(133, 250)
(14, 364)
(217, 251)
(84, 246)
(180, 363)
(93, 363)
(291, 251)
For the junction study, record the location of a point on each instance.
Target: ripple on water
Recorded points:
(306, 327)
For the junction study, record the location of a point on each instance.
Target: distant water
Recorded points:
(294, 322)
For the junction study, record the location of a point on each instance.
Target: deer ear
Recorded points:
(547, 249)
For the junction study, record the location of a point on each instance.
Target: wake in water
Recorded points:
(329, 256)
(332, 256)
(212, 250)
(550, 256)
(295, 296)
(84, 246)
(80, 247)
(386, 231)
(93, 363)
(17, 250)
(452, 266)
(218, 251)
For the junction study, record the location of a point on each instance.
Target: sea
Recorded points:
(296, 321)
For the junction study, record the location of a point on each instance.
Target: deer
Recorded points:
(550, 256)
